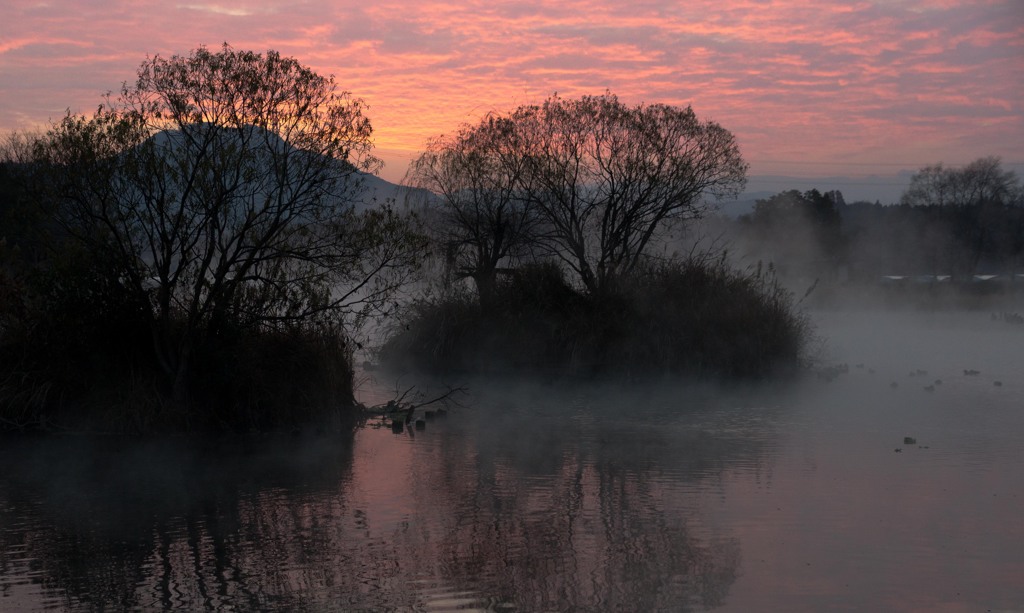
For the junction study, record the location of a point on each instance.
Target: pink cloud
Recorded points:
(814, 80)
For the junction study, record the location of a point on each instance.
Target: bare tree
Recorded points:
(974, 199)
(981, 182)
(608, 178)
(482, 215)
(221, 186)
(593, 180)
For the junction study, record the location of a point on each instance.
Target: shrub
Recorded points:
(696, 317)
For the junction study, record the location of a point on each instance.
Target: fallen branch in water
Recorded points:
(398, 407)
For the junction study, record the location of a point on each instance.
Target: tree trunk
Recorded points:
(179, 387)
(486, 284)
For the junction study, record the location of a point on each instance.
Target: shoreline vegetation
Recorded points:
(196, 255)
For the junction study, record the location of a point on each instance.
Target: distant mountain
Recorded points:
(362, 189)
(374, 190)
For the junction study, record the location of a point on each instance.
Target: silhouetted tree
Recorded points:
(800, 232)
(219, 189)
(609, 178)
(482, 216)
(983, 181)
(973, 200)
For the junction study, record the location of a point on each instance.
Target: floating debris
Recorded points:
(971, 373)
(830, 373)
(909, 440)
(898, 450)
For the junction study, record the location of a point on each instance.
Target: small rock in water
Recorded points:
(909, 440)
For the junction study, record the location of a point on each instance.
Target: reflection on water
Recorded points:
(552, 503)
(533, 497)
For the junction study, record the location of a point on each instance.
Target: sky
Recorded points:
(817, 89)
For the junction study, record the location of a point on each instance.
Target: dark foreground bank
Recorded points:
(100, 376)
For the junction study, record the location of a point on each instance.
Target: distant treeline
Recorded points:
(951, 225)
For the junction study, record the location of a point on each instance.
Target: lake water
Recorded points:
(537, 497)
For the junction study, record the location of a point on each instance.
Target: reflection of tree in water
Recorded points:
(556, 511)
(549, 508)
(169, 525)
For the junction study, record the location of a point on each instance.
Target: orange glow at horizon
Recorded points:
(883, 83)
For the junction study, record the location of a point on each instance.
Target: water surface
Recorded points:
(541, 497)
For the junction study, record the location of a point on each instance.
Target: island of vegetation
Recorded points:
(559, 214)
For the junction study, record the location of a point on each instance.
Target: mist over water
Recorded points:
(597, 497)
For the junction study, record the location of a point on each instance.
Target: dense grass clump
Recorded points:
(697, 317)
